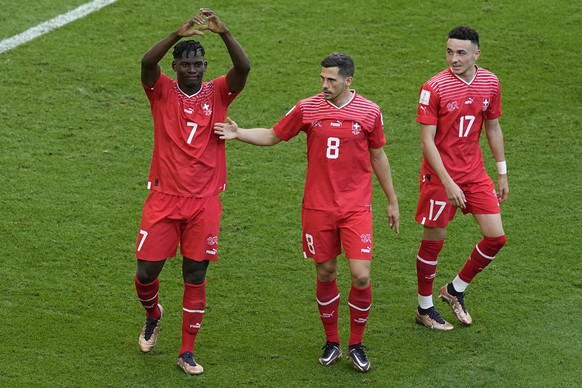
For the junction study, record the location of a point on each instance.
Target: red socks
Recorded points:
(193, 306)
(359, 301)
(481, 257)
(426, 265)
(148, 297)
(328, 299)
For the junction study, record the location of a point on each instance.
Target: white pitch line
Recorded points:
(53, 24)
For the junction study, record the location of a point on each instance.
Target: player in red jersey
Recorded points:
(345, 136)
(453, 107)
(188, 171)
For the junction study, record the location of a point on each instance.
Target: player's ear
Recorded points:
(174, 65)
(477, 54)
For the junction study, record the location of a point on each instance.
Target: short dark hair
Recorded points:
(464, 33)
(341, 60)
(187, 46)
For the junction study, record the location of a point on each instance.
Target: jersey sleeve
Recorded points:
(226, 95)
(494, 109)
(377, 138)
(159, 88)
(427, 106)
(290, 125)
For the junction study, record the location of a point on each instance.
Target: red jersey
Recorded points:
(458, 109)
(188, 159)
(338, 140)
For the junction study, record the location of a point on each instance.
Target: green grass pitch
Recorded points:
(76, 138)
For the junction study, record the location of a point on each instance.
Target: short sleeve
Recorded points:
(290, 125)
(427, 106)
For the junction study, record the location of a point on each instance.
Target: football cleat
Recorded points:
(358, 358)
(433, 320)
(188, 364)
(331, 353)
(149, 332)
(457, 303)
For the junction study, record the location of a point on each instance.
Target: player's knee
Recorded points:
(360, 280)
(148, 271)
(494, 244)
(194, 272)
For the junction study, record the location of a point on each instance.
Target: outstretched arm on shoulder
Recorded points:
(256, 136)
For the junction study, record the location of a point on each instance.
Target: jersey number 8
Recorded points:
(333, 144)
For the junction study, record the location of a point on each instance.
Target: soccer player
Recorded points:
(345, 136)
(453, 107)
(187, 174)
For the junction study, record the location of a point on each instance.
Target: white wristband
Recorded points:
(501, 168)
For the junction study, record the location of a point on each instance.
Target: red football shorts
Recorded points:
(167, 220)
(434, 209)
(325, 232)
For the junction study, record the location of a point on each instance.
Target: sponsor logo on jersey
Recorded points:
(423, 108)
(211, 251)
(356, 128)
(424, 97)
(469, 100)
(337, 123)
(453, 105)
(366, 250)
(188, 110)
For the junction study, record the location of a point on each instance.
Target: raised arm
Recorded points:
(150, 63)
(495, 139)
(236, 77)
(383, 173)
(454, 193)
(256, 136)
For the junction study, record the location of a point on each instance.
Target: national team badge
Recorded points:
(453, 105)
(485, 104)
(207, 109)
(356, 128)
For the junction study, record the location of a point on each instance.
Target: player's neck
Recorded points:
(343, 98)
(469, 75)
(189, 90)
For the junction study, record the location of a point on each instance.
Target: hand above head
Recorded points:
(213, 22)
(193, 26)
(226, 131)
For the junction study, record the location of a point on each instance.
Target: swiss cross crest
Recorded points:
(207, 109)
(356, 128)
(453, 105)
(485, 104)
